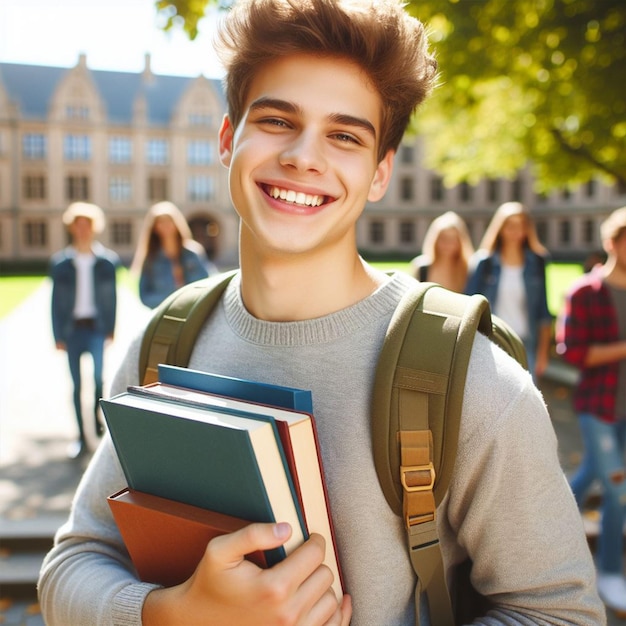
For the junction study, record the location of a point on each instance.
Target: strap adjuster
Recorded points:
(417, 477)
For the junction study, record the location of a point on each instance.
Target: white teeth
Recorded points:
(296, 197)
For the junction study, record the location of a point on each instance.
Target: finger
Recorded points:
(303, 561)
(229, 550)
(320, 605)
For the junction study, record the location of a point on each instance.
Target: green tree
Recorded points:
(537, 83)
(530, 82)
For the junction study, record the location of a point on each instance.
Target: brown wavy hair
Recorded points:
(378, 35)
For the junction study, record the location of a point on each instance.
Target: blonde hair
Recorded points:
(148, 243)
(85, 209)
(613, 225)
(491, 240)
(448, 220)
(378, 35)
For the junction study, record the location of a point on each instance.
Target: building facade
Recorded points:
(127, 140)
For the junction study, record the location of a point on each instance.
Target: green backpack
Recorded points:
(416, 412)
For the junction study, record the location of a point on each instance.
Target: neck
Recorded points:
(512, 254)
(83, 247)
(294, 288)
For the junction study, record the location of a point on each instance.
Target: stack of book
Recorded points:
(204, 455)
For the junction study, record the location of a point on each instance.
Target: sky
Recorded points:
(114, 35)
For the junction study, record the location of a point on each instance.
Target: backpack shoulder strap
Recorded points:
(171, 333)
(416, 412)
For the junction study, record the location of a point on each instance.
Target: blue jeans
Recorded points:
(603, 460)
(80, 341)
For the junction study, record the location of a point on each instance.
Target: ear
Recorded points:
(381, 178)
(225, 135)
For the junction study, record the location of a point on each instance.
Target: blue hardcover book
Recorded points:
(253, 391)
(229, 462)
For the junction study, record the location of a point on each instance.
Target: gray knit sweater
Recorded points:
(509, 506)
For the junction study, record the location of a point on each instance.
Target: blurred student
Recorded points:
(446, 251)
(167, 257)
(84, 303)
(509, 269)
(591, 334)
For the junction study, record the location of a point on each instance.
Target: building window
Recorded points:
(77, 188)
(120, 150)
(377, 232)
(407, 232)
(493, 190)
(517, 189)
(589, 231)
(590, 189)
(34, 187)
(466, 192)
(157, 188)
(200, 119)
(566, 193)
(407, 188)
(120, 189)
(407, 154)
(121, 232)
(77, 112)
(157, 152)
(200, 188)
(35, 234)
(565, 231)
(34, 147)
(199, 152)
(77, 148)
(436, 189)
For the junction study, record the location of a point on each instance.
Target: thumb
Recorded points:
(230, 549)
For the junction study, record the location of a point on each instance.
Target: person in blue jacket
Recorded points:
(167, 257)
(509, 269)
(84, 303)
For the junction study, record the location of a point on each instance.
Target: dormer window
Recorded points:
(77, 112)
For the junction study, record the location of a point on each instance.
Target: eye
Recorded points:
(346, 138)
(274, 121)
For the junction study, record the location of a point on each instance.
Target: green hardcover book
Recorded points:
(229, 463)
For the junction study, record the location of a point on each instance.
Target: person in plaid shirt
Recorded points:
(591, 334)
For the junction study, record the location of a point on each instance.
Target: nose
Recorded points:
(304, 153)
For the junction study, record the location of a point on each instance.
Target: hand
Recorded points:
(227, 589)
(60, 345)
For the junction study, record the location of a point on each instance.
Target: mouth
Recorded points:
(297, 198)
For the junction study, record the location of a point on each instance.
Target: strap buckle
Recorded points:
(417, 477)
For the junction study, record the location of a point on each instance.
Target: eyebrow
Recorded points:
(289, 107)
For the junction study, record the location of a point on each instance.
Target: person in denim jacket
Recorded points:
(84, 303)
(509, 269)
(167, 256)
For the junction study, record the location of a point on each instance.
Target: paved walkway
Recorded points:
(37, 422)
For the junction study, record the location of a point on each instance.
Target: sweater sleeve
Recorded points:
(510, 509)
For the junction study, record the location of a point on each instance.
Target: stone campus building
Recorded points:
(126, 140)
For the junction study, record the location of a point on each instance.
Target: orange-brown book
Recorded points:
(166, 539)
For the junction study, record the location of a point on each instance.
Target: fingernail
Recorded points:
(282, 530)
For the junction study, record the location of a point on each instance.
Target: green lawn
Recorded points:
(15, 289)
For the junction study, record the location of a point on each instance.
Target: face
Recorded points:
(303, 159)
(81, 230)
(617, 249)
(164, 225)
(448, 243)
(514, 229)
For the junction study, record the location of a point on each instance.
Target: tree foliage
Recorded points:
(537, 83)
(531, 82)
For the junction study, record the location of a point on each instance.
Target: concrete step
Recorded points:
(23, 546)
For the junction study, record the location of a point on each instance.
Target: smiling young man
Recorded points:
(319, 95)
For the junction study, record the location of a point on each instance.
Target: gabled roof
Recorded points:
(32, 87)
